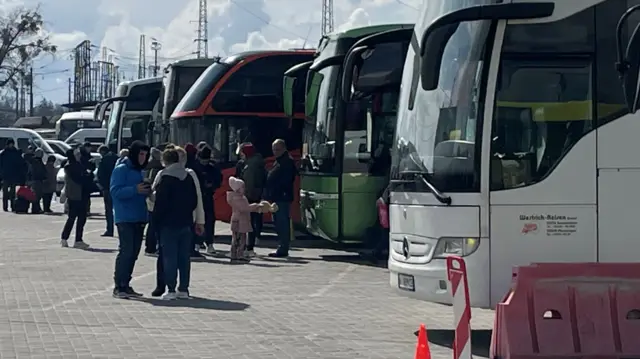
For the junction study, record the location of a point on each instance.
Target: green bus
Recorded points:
(339, 184)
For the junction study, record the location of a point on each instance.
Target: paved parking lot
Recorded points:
(56, 303)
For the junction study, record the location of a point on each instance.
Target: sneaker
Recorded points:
(132, 293)
(183, 295)
(151, 254)
(249, 254)
(80, 245)
(64, 243)
(201, 246)
(170, 296)
(277, 254)
(158, 292)
(211, 250)
(107, 234)
(120, 294)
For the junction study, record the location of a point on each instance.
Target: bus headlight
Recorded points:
(455, 247)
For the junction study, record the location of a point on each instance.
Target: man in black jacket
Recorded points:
(210, 182)
(105, 169)
(12, 172)
(176, 199)
(279, 189)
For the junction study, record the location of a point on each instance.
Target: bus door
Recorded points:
(370, 90)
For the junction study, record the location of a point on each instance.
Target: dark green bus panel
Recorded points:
(345, 139)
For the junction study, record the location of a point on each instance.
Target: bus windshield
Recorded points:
(69, 126)
(369, 118)
(319, 133)
(198, 92)
(436, 131)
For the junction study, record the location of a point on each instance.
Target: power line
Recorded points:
(265, 21)
(401, 2)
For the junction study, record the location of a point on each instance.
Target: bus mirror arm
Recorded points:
(628, 61)
(348, 66)
(437, 35)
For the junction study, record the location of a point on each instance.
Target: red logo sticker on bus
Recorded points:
(529, 228)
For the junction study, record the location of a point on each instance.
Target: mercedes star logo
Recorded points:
(405, 247)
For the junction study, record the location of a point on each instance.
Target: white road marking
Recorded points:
(58, 237)
(89, 295)
(332, 283)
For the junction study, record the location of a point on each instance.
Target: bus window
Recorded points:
(257, 86)
(143, 97)
(262, 133)
(193, 130)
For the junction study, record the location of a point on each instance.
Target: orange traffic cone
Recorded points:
(422, 348)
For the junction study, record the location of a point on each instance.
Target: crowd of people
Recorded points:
(30, 171)
(164, 198)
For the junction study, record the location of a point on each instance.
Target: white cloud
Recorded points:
(234, 25)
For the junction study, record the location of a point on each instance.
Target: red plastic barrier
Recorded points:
(570, 310)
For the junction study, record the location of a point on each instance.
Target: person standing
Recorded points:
(129, 192)
(191, 164)
(198, 215)
(37, 176)
(49, 186)
(12, 172)
(254, 176)
(105, 169)
(211, 181)
(240, 219)
(153, 168)
(175, 201)
(78, 191)
(279, 190)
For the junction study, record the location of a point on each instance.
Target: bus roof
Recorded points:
(149, 80)
(194, 62)
(367, 30)
(236, 58)
(77, 115)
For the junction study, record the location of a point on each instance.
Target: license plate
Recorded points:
(405, 282)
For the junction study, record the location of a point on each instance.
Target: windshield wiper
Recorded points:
(422, 175)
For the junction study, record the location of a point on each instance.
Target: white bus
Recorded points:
(132, 109)
(514, 144)
(70, 122)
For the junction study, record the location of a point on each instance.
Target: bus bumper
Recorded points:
(429, 281)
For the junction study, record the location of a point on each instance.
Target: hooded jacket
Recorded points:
(12, 166)
(240, 207)
(254, 174)
(176, 198)
(129, 206)
(155, 164)
(76, 179)
(38, 172)
(198, 213)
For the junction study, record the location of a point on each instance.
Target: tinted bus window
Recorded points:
(257, 86)
(198, 92)
(185, 78)
(143, 97)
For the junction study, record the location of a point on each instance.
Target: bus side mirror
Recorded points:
(628, 62)
(437, 35)
(348, 67)
(287, 91)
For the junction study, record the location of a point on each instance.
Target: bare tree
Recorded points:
(23, 39)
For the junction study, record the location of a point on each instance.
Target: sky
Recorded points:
(234, 26)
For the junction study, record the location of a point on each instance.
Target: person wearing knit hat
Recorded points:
(211, 180)
(254, 175)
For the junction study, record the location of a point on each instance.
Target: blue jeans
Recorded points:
(282, 223)
(176, 252)
(130, 241)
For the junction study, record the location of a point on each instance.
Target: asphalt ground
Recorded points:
(320, 303)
